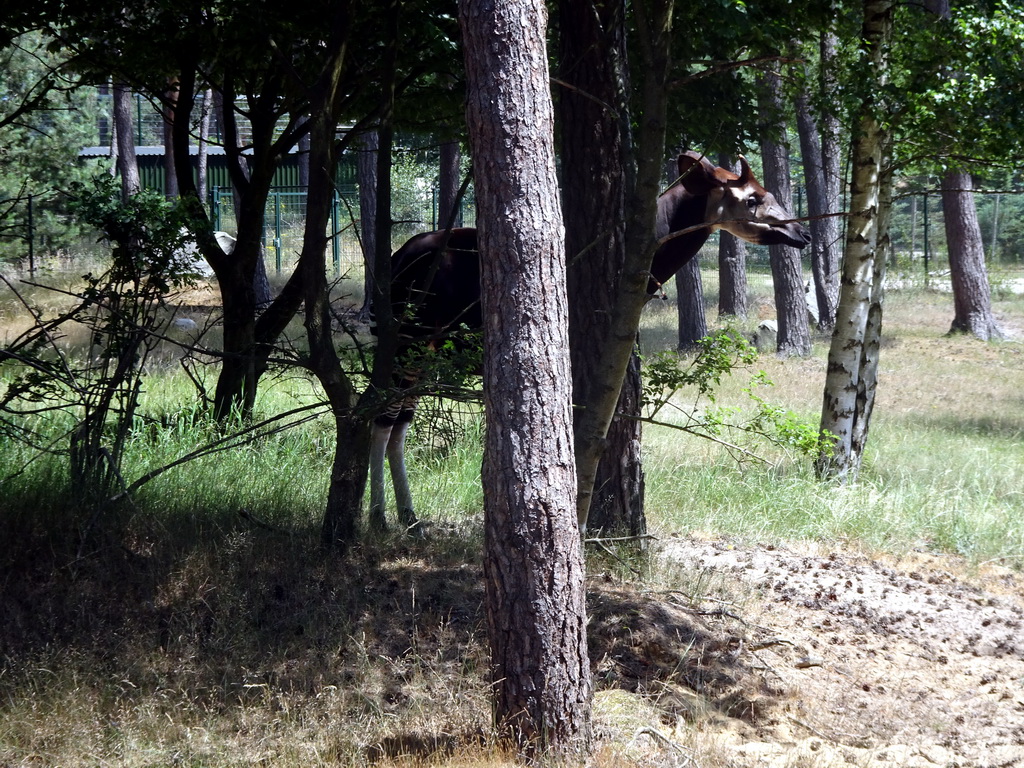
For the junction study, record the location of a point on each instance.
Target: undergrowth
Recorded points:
(201, 623)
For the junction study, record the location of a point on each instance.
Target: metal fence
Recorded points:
(918, 234)
(284, 222)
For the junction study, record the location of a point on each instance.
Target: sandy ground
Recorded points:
(833, 659)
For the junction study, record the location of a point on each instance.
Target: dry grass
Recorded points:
(213, 642)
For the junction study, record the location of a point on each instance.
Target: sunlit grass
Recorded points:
(943, 470)
(184, 633)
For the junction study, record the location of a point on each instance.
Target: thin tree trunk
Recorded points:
(202, 159)
(820, 199)
(787, 273)
(170, 110)
(449, 181)
(732, 267)
(366, 175)
(241, 198)
(849, 363)
(643, 163)
(693, 324)
(533, 560)
(972, 296)
(366, 178)
(304, 149)
(867, 380)
(124, 128)
(593, 200)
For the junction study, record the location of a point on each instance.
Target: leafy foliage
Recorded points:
(720, 354)
(956, 85)
(122, 311)
(44, 121)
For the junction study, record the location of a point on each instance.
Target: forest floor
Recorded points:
(818, 658)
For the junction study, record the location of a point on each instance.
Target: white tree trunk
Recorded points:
(851, 367)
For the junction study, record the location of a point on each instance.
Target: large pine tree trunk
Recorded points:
(851, 362)
(732, 267)
(593, 49)
(972, 297)
(533, 559)
(787, 274)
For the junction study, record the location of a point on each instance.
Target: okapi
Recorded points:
(436, 287)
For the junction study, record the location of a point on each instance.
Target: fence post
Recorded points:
(31, 239)
(277, 230)
(215, 207)
(926, 251)
(335, 242)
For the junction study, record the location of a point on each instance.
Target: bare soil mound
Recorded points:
(848, 660)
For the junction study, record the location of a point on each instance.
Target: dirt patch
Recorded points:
(860, 661)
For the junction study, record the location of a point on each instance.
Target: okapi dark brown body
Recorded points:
(436, 285)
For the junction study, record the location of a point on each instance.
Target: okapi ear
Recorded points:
(696, 173)
(746, 175)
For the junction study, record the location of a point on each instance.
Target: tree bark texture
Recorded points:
(124, 131)
(449, 180)
(732, 266)
(591, 109)
(352, 428)
(366, 177)
(643, 162)
(794, 337)
(972, 296)
(842, 409)
(533, 562)
(170, 111)
(821, 175)
(693, 323)
(202, 159)
(867, 380)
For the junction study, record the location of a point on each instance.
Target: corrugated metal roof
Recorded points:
(92, 152)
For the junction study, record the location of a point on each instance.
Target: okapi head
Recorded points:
(711, 198)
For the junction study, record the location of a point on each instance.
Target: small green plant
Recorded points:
(719, 355)
(121, 311)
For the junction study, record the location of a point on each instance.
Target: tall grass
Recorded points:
(174, 630)
(944, 467)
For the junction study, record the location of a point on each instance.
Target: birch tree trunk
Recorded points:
(533, 560)
(867, 382)
(851, 365)
(202, 159)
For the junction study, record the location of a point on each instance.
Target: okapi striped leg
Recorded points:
(378, 450)
(399, 476)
